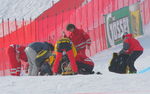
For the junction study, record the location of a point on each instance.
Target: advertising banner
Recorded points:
(127, 19)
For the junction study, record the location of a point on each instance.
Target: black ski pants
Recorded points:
(132, 58)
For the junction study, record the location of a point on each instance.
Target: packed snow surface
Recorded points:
(24, 8)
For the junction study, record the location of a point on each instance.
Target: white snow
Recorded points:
(108, 83)
(23, 8)
(19, 9)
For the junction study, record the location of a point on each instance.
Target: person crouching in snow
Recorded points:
(37, 53)
(81, 64)
(132, 47)
(64, 45)
(16, 54)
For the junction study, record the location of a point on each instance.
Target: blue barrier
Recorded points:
(144, 70)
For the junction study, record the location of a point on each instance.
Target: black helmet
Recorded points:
(51, 47)
(70, 26)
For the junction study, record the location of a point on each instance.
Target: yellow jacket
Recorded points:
(63, 40)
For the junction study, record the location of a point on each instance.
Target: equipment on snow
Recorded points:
(118, 64)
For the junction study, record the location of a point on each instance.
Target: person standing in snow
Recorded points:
(37, 53)
(132, 47)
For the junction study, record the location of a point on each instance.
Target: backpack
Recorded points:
(118, 63)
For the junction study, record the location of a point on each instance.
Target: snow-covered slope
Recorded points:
(23, 8)
(108, 83)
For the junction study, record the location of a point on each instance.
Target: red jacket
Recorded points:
(12, 55)
(131, 44)
(22, 53)
(13, 50)
(80, 39)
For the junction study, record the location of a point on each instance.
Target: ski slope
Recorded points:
(23, 8)
(108, 83)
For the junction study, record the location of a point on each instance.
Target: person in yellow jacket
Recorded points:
(64, 66)
(64, 45)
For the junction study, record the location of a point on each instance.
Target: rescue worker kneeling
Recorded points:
(37, 53)
(64, 45)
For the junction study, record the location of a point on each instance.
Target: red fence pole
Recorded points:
(87, 16)
(23, 30)
(69, 15)
(31, 29)
(62, 20)
(75, 11)
(55, 26)
(149, 10)
(16, 30)
(81, 17)
(52, 3)
(148, 16)
(35, 31)
(87, 21)
(8, 26)
(42, 31)
(99, 24)
(103, 31)
(3, 31)
(93, 26)
(47, 29)
(75, 19)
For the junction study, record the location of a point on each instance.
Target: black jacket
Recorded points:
(38, 46)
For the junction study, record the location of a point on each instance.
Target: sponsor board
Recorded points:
(127, 19)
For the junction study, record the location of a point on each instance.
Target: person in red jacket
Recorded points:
(132, 47)
(15, 55)
(80, 39)
(82, 42)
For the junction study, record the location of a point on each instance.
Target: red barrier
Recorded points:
(85, 14)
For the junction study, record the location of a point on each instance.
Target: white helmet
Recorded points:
(123, 34)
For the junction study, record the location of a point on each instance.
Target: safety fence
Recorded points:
(85, 14)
